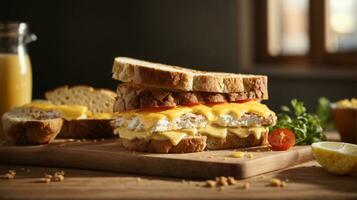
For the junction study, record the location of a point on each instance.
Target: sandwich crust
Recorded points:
(150, 74)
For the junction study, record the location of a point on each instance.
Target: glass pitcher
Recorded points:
(15, 67)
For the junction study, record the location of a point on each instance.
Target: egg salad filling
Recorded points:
(241, 119)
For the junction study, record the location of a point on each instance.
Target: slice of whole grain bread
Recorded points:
(186, 145)
(151, 74)
(96, 100)
(195, 143)
(130, 96)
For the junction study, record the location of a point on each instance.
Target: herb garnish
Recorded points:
(306, 126)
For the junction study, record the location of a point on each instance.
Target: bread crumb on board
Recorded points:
(8, 175)
(56, 177)
(250, 156)
(245, 186)
(221, 181)
(275, 182)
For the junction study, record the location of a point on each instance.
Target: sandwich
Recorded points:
(169, 109)
(79, 112)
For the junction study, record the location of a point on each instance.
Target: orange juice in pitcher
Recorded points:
(15, 67)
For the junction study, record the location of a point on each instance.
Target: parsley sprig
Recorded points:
(306, 126)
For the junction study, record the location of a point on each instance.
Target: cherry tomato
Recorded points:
(244, 101)
(155, 109)
(281, 139)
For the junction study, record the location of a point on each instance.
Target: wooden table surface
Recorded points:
(305, 181)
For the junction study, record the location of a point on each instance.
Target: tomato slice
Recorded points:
(244, 101)
(281, 139)
(191, 104)
(214, 103)
(155, 109)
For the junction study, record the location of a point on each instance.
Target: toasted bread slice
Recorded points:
(24, 126)
(186, 145)
(97, 100)
(131, 96)
(194, 143)
(177, 78)
(232, 141)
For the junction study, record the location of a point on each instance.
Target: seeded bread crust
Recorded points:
(186, 145)
(22, 129)
(87, 129)
(136, 97)
(150, 74)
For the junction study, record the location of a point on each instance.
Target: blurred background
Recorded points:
(308, 48)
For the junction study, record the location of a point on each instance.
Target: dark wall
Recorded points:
(309, 90)
(79, 39)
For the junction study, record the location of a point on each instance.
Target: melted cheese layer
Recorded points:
(211, 113)
(176, 136)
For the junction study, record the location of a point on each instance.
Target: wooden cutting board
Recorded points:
(108, 155)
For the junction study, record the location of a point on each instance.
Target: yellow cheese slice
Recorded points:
(245, 132)
(258, 131)
(174, 136)
(210, 112)
(191, 131)
(102, 116)
(69, 112)
(130, 135)
(150, 119)
(214, 131)
(238, 109)
(205, 111)
(172, 114)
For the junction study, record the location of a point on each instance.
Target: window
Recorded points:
(341, 25)
(314, 32)
(288, 27)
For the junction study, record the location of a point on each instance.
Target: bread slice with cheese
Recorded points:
(192, 144)
(225, 125)
(95, 120)
(84, 113)
(157, 75)
(30, 126)
(186, 145)
(96, 100)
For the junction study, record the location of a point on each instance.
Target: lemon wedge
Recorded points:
(336, 157)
